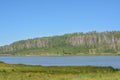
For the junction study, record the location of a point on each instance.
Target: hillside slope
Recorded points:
(91, 43)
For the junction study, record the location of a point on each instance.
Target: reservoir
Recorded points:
(113, 61)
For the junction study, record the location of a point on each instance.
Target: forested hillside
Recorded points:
(91, 43)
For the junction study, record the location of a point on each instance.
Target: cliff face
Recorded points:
(91, 42)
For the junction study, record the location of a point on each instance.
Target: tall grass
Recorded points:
(29, 72)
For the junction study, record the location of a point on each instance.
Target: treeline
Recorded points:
(69, 44)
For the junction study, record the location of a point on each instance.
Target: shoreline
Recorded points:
(30, 72)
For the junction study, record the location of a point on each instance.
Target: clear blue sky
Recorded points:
(24, 19)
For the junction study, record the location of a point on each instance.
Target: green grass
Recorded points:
(56, 51)
(29, 72)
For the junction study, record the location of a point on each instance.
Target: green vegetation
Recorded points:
(91, 43)
(29, 72)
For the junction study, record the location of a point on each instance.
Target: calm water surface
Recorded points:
(113, 61)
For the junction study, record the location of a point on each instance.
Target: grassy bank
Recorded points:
(29, 72)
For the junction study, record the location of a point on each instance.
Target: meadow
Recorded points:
(30, 72)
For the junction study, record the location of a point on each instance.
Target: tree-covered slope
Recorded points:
(91, 43)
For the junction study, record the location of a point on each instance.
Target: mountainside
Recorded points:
(91, 43)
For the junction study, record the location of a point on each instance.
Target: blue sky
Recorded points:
(24, 19)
